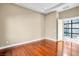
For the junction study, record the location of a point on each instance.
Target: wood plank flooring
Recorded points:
(43, 48)
(71, 48)
(39, 48)
(60, 47)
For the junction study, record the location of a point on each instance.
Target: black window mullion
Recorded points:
(71, 29)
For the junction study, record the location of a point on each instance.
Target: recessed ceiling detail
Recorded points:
(48, 7)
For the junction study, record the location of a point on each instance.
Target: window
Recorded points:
(71, 28)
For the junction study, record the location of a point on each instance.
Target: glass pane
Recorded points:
(67, 35)
(75, 30)
(65, 26)
(67, 21)
(69, 25)
(69, 30)
(75, 25)
(75, 36)
(75, 20)
(65, 30)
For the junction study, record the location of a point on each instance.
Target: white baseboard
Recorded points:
(17, 44)
(51, 39)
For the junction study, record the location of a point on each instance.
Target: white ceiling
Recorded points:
(48, 7)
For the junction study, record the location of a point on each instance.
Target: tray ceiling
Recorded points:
(48, 7)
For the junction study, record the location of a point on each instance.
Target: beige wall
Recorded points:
(51, 25)
(19, 25)
(69, 13)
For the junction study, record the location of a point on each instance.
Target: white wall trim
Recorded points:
(51, 39)
(17, 44)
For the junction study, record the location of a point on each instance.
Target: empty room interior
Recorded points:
(39, 29)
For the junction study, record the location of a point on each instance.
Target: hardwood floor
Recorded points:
(60, 47)
(75, 49)
(43, 48)
(40, 48)
(71, 48)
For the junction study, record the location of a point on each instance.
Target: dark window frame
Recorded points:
(71, 28)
